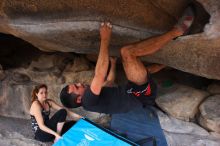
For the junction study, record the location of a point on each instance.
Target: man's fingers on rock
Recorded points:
(106, 25)
(109, 25)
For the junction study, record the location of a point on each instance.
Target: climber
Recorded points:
(140, 89)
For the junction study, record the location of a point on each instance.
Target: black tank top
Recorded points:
(45, 115)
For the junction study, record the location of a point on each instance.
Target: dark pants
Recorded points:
(140, 124)
(145, 93)
(58, 117)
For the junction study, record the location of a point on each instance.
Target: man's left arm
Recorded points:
(103, 59)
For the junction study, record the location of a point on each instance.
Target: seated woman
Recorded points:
(48, 129)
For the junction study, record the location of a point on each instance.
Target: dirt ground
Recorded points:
(17, 132)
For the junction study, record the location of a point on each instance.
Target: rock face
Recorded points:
(17, 132)
(177, 139)
(210, 113)
(2, 74)
(55, 70)
(181, 133)
(182, 102)
(58, 70)
(173, 125)
(214, 88)
(15, 100)
(67, 27)
(73, 26)
(15, 138)
(78, 71)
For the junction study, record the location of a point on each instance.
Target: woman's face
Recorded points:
(42, 94)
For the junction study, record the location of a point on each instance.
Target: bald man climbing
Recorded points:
(140, 88)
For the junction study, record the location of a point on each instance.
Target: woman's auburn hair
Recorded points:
(36, 90)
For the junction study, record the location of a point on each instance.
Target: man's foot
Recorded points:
(185, 21)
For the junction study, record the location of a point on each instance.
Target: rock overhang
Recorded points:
(72, 26)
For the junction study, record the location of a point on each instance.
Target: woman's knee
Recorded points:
(63, 114)
(63, 111)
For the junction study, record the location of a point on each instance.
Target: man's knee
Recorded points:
(126, 51)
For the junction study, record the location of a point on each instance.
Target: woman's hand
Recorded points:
(76, 117)
(57, 137)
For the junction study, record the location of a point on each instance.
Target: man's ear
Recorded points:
(79, 99)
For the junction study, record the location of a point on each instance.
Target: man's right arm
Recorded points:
(103, 59)
(110, 81)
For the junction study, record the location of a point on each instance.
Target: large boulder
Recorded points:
(15, 138)
(214, 88)
(77, 65)
(15, 100)
(2, 74)
(210, 113)
(173, 125)
(17, 132)
(55, 70)
(179, 139)
(79, 70)
(181, 101)
(178, 132)
(72, 26)
(45, 69)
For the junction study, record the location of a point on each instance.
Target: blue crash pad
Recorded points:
(87, 133)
